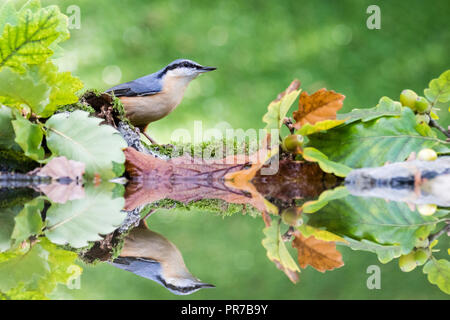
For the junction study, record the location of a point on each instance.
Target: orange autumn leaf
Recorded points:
(321, 105)
(319, 254)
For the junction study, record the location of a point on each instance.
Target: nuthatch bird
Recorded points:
(153, 97)
(150, 255)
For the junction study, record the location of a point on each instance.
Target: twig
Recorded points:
(288, 122)
(288, 234)
(436, 235)
(435, 124)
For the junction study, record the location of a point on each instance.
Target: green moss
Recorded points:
(120, 112)
(77, 106)
(202, 150)
(216, 206)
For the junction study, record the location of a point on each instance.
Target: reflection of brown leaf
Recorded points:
(61, 193)
(321, 105)
(319, 254)
(188, 179)
(60, 167)
(182, 179)
(295, 180)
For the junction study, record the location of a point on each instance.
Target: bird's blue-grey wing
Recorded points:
(144, 86)
(146, 268)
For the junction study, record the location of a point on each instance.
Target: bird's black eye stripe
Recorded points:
(185, 64)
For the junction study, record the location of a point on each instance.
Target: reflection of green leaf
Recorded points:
(385, 223)
(385, 107)
(25, 268)
(29, 137)
(438, 272)
(324, 198)
(33, 273)
(80, 137)
(78, 221)
(7, 223)
(370, 144)
(319, 234)
(28, 221)
(277, 110)
(314, 155)
(7, 131)
(308, 128)
(439, 89)
(277, 251)
(28, 42)
(385, 253)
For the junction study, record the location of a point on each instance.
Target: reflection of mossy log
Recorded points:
(11, 160)
(416, 181)
(13, 197)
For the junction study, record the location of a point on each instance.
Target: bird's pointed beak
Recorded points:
(206, 285)
(207, 69)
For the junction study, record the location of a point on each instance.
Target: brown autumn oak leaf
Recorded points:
(319, 254)
(321, 105)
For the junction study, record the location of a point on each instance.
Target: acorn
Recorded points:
(421, 105)
(407, 262)
(427, 155)
(291, 217)
(408, 98)
(426, 209)
(292, 142)
(421, 256)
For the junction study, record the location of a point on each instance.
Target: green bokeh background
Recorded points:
(258, 47)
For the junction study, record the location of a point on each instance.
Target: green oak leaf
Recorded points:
(385, 223)
(29, 137)
(77, 136)
(42, 88)
(438, 272)
(314, 155)
(28, 222)
(324, 125)
(23, 266)
(385, 253)
(77, 222)
(8, 15)
(386, 107)
(320, 234)
(7, 223)
(33, 5)
(439, 89)
(324, 198)
(7, 131)
(17, 90)
(34, 273)
(277, 110)
(62, 265)
(63, 87)
(28, 41)
(373, 143)
(278, 253)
